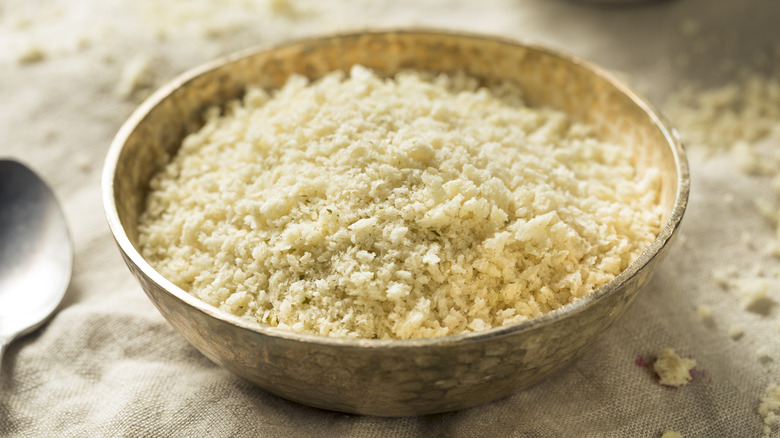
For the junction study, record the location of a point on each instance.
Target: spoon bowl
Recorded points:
(36, 252)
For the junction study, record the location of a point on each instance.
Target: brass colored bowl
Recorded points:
(392, 377)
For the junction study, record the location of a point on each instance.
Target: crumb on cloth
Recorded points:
(672, 369)
(769, 408)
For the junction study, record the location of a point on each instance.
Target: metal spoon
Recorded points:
(36, 252)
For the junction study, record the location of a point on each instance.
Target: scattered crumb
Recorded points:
(671, 434)
(755, 295)
(704, 312)
(736, 331)
(776, 184)
(753, 287)
(722, 275)
(672, 369)
(21, 23)
(767, 210)
(284, 8)
(136, 74)
(216, 30)
(83, 42)
(736, 118)
(83, 163)
(769, 409)
(747, 239)
(734, 115)
(214, 19)
(764, 354)
(748, 160)
(757, 271)
(31, 55)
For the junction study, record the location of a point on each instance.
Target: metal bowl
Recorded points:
(392, 377)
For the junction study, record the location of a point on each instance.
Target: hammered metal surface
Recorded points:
(407, 377)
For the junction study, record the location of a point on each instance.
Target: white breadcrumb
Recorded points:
(755, 295)
(212, 20)
(769, 408)
(672, 369)
(748, 160)
(416, 206)
(724, 275)
(285, 8)
(772, 248)
(735, 115)
(704, 312)
(136, 74)
(764, 353)
(754, 287)
(83, 163)
(736, 331)
(767, 209)
(31, 55)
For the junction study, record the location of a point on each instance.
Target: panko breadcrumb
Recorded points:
(672, 369)
(415, 206)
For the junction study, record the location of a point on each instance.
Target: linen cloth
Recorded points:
(107, 364)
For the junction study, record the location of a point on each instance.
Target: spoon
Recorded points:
(36, 253)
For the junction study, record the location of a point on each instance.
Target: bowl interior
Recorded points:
(588, 94)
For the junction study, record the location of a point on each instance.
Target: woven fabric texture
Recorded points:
(107, 364)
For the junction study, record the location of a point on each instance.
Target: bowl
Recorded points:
(392, 377)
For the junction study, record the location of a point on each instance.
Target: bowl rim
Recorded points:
(669, 228)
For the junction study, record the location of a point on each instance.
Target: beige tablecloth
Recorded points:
(107, 364)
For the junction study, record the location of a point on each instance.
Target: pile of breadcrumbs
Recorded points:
(415, 206)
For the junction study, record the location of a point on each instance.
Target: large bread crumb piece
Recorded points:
(409, 207)
(672, 369)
